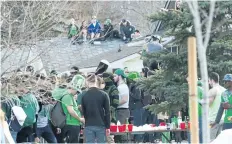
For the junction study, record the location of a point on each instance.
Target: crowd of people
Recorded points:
(92, 103)
(96, 31)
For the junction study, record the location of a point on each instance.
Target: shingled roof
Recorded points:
(63, 55)
(111, 56)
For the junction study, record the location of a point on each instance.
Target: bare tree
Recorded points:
(139, 12)
(24, 24)
(202, 44)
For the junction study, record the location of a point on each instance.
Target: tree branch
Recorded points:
(209, 24)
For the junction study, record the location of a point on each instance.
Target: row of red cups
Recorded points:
(122, 128)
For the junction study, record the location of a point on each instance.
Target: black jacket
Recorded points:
(108, 28)
(127, 29)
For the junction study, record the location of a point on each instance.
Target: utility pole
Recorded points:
(193, 98)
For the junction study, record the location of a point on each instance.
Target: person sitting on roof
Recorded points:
(126, 30)
(73, 29)
(84, 30)
(94, 28)
(108, 29)
(136, 34)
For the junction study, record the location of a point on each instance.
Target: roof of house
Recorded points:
(58, 53)
(111, 56)
(64, 55)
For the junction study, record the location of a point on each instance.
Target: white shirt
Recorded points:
(216, 91)
(123, 91)
(94, 24)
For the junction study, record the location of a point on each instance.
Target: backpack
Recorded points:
(18, 117)
(57, 115)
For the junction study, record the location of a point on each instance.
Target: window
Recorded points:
(174, 49)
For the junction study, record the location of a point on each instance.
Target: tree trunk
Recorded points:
(205, 102)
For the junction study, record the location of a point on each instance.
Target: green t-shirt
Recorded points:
(227, 97)
(30, 106)
(68, 100)
(200, 96)
(58, 92)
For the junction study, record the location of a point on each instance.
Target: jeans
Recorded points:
(215, 131)
(54, 130)
(227, 126)
(200, 131)
(25, 135)
(47, 134)
(138, 121)
(149, 118)
(121, 115)
(95, 134)
(14, 135)
(70, 134)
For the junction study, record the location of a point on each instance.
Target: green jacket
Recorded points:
(30, 106)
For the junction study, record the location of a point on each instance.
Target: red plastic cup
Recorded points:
(162, 124)
(113, 128)
(122, 128)
(182, 125)
(130, 127)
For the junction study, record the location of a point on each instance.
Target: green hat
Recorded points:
(74, 88)
(108, 21)
(120, 72)
(199, 83)
(133, 75)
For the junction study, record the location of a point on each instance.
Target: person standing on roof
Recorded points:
(94, 29)
(154, 45)
(126, 30)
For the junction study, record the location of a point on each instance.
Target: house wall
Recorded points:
(133, 62)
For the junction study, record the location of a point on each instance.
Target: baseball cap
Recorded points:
(228, 77)
(120, 72)
(74, 88)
